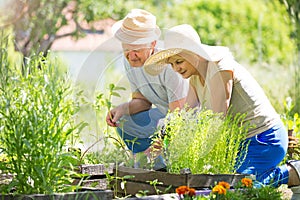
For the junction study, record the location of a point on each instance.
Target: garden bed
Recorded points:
(96, 176)
(93, 187)
(86, 195)
(155, 182)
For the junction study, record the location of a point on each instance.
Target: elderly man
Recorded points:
(137, 120)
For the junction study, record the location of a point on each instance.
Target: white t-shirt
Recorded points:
(160, 90)
(247, 96)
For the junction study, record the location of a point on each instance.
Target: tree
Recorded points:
(35, 23)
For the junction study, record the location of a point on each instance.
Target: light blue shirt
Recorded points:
(167, 87)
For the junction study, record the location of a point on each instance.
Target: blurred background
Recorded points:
(263, 35)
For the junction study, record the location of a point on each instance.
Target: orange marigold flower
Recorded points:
(247, 182)
(219, 189)
(192, 192)
(182, 190)
(224, 184)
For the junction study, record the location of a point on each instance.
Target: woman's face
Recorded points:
(182, 66)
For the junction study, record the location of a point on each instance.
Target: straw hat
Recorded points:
(179, 39)
(138, 27)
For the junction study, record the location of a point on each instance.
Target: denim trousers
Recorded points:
(136, 130)
(265, 152)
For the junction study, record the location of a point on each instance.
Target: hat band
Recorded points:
(139, 34)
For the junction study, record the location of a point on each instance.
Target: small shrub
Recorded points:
(203, 141)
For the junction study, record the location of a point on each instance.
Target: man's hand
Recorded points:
(114, 115)
(134, 106)
(110, 119)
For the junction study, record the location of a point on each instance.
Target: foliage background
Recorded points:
(259, 32)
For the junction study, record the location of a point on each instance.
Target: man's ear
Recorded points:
(153, 44)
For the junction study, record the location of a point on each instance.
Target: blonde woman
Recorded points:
(222, 83)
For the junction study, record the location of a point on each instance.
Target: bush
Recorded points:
(203, 141)
(36, 124)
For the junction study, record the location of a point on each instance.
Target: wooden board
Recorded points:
(141, 181)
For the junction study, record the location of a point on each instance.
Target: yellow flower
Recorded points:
(247, 182)
(224, 184)
(219, 189)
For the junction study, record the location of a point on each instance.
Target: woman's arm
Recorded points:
(220, 87)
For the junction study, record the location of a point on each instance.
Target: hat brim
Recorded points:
(155, 64)
(135, 37)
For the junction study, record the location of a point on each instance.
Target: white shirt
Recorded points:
(160, 90)
(247, 96)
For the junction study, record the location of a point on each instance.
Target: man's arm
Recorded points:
(137, 104)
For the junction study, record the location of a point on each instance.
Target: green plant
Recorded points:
(290, 120)
(114, 149)
(142, 193)
(244, 190)
(37, 123)
(113, 144)
(154, 183)
(104, 104)
(204, 141)
(115, 180)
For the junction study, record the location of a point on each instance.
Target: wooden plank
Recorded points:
(96, 169)
(140, 180)
(200, 181)
(100, 184)
(141, 175)
(132, 188)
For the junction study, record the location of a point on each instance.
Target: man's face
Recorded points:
(137, 54)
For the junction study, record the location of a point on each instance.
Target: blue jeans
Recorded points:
(265, 151)
(136, 130)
